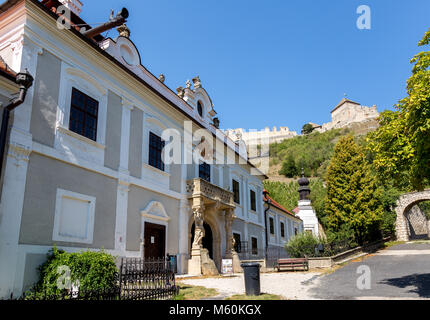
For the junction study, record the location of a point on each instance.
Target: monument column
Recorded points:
(229, 245)
(230, 252)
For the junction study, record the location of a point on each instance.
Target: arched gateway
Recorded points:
(404, 205)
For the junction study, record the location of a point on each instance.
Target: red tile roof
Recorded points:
(266, 198)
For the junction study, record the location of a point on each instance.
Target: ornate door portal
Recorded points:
(212, 204)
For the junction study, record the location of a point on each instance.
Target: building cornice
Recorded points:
(36, 10)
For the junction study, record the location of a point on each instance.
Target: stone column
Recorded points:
(401, 226)
(121, 215)
(230, 252)
(229, 246)
(195, 263)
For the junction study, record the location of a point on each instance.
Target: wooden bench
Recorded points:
(293, 264)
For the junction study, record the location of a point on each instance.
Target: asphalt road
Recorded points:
(400, 272)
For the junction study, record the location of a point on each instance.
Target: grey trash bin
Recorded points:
(251, 273)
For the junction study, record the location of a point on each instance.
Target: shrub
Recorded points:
(91, 271)
(302, 245)
(308, 245)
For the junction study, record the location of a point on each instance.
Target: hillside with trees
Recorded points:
(357, 176)
(311, 152)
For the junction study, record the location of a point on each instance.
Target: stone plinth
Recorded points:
(208, 265)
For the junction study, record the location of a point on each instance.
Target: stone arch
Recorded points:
(216, 237)
(404, 204)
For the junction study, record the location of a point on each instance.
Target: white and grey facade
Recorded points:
(82, 170)
(281, 226)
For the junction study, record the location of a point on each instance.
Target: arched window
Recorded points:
(200, 108)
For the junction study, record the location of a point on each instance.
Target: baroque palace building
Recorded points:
(84, 167)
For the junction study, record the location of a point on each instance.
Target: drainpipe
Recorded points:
(269, 202)
(25, 81)
(120, 19)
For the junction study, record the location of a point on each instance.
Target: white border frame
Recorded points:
(57, 219)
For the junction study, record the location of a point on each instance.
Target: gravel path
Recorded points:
(290, 285)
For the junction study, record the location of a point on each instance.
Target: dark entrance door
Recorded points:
(207, 240)
(155, 241)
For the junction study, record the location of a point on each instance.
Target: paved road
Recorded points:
(400, 272)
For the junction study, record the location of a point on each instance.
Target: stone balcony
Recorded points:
(210, 193)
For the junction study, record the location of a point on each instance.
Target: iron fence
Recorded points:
(273, 253)
(322, 249)
(147, 280)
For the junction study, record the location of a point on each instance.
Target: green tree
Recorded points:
(289, 168)
(402, 143)
(352, 191)
(307, 128)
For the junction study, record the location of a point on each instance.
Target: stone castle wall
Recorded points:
(349, 114)
(253, 137)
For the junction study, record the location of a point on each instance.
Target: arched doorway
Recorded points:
(412, 222)
(417, 221)
(207, 240)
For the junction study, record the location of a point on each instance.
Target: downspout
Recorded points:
(25, 80)
(120, 19)
(269, 202)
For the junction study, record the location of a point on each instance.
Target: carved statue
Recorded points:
(123, 31)
(199, 234)
(162, 78)
(197, 82)
(188, 84)
(180, 91)
(199, 215)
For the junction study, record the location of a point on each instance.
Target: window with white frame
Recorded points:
(205, 171)
(200, 108)
(156, 146)
(254, 246)
(272, 226)
(236, 191)
(74, 217)
(82, 106)
(253, 200)
(83, 115)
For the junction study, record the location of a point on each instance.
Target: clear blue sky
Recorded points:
(276, 62)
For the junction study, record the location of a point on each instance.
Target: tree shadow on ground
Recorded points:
(421, 282)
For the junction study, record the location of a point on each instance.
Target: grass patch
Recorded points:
(187, 292)
(393, 243)
(263, 296)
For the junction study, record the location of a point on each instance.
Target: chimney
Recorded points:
(73, 5)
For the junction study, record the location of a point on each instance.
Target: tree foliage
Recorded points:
(311, 152)
(353, 196)
(287, 194)
(307, 128)
(401, 146)
(289, 168)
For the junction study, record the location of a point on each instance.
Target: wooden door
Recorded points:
(155, 241)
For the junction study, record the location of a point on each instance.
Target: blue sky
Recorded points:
(276, 62)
